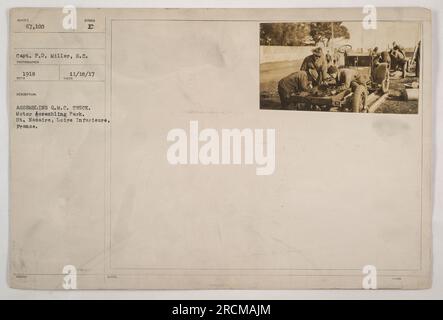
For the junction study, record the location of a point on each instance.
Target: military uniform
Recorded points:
(349, 77)
(294, 83)
(317, 66)
(400, 49)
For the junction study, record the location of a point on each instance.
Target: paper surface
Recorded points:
(122, 177)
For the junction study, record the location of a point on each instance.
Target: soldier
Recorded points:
(316, 65)
(398, 58)
(345, 78)
(375, 55)
(328, 57)
(398, 48)
(385, 57)
(337, 58)
(295, 83)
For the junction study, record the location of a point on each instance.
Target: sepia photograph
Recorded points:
(138, 159)
(340, 67)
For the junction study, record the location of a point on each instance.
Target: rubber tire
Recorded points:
(385, 83)
(360, 94)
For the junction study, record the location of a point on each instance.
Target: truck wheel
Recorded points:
(381, 76)
(385, 83)
(359, 99)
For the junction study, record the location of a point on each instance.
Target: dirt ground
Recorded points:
(271, 73)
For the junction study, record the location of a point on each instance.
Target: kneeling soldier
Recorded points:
(346, 78)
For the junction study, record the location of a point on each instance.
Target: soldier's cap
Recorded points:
(317, 52)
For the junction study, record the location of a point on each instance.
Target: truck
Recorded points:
(374, 75)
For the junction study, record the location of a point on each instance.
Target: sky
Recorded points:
(407, 34)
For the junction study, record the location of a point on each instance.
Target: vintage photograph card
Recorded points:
(220, 148)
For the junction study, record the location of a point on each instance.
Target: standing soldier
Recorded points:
(385, 57)
(375, 55)
(329, 58)
(316, 65)
(399, 48)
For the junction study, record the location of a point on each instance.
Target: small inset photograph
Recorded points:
(340, 67)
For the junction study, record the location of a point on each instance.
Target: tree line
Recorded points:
(301, 34)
